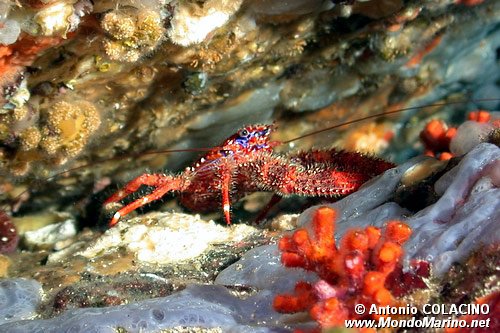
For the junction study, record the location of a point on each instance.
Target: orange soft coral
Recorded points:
(354, 273)
(480, 116)
(437, 135)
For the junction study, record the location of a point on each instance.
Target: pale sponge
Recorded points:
(18, 299)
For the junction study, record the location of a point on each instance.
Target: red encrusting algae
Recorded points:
(8, 234)
(14, 57)
(356, 272)
(492, 318)
(469, 3)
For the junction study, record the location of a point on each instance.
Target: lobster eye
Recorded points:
(243, 133)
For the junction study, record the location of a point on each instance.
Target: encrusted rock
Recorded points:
(51, 236)
(163, 238)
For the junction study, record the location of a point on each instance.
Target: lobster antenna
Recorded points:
(385, 114)
(151, 152)
(113, 159)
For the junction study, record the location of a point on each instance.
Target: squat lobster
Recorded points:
(245, 163)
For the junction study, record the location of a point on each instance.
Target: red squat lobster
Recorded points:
(246, 162)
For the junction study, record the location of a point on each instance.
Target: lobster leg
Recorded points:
(155, 195)
(263, 213)
(227, 170)
(163, 184)
(226, 200)
(132, 186)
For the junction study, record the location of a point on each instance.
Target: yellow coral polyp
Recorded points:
(114, 49)
(69, 127)
(30, 138)
(118, 25)
(131, 34)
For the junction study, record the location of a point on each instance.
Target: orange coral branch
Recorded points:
(354, 273)
(437, 135)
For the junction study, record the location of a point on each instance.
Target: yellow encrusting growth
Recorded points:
(68, 128)
(130, 35)
(118, 24)
(30, 138)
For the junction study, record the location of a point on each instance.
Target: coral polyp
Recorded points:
(131, 34)
(68, 128)
(355, 272)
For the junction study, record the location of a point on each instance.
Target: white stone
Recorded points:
(54, 19)
(48, 236)
(9, 31)
(161, 238)
(191, 24)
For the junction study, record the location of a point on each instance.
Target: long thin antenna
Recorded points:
(385, 114)
(114, 158)
(136, 155)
